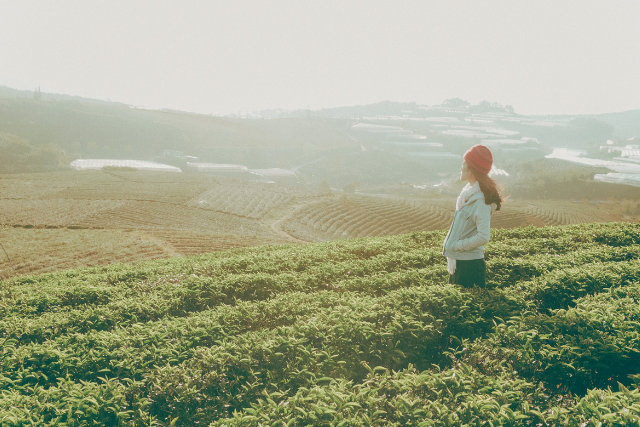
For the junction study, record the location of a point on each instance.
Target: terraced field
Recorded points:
(360, 216)
(71, 219)
(35, 251)
(253, 200)
(159, 215)
(188, 243)
(557, 213)
(176, 188)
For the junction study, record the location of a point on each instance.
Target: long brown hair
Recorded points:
(488, 187)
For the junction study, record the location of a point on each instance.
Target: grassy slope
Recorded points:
(117, 131)
(358, 332)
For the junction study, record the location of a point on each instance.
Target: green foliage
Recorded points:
(455, 103)
(353, 332)
(592, 345)
(494, 107)
(557, 179)
(18, 156)
(101, 129)
(592, 129)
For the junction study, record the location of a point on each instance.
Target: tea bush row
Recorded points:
(32, 301)
(459, 396)
(196, 294)
(357, 333)
(276, 259)
(470, 321)
(87, 356)
(183, 301)
(595, 344)
(550, 289)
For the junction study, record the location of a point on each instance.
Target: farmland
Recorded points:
(45, 250)
(359, 216)
(349, 332)
(53, 221)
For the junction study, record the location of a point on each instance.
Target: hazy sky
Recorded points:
(220, 57)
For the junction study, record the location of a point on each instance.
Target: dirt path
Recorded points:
(279, 232)
(166, 247)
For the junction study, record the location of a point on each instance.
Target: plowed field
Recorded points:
(360, 216)
(83, 218)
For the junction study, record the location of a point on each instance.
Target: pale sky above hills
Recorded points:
(221, 57)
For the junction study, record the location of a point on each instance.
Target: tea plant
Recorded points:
(350, 332)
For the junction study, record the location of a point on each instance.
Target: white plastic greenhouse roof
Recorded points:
(272, 172)
(90, 164)
(218, 167)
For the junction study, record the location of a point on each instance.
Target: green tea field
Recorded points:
(356, 332)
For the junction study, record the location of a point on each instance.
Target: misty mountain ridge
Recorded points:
(7, 92)
(626, 123)
(363, 146)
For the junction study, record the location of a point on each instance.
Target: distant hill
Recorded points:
(18, 156)
(384, 108)
(112, 130)
(451, 107)
(7, 92)
(625, 123)
(374, 145)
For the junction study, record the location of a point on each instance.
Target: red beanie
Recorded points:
(479, 159)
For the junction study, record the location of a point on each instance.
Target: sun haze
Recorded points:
(223, 57)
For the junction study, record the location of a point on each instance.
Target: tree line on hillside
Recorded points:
(554, 179)
(116, 131)
(17, 155)
(317, 148)
(390, 108)
(86, 130)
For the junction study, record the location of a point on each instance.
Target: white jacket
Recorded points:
(470, 229)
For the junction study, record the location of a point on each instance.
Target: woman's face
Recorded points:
(465, 173)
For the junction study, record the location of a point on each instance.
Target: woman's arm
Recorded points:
(483, 225)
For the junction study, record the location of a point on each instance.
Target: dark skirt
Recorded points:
(469, 273)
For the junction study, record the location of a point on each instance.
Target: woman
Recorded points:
(470, 229)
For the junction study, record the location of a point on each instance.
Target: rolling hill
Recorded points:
(374, 146)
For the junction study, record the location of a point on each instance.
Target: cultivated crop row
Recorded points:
(127, 187)
(36, 185)
(350, 331)
(158, 215)
(250, 200)
(34, 251)
(189, 243)
(323, 264)
(359, 216)
(366, 216)
(53, 212)
(556, 215)
(509, 218)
